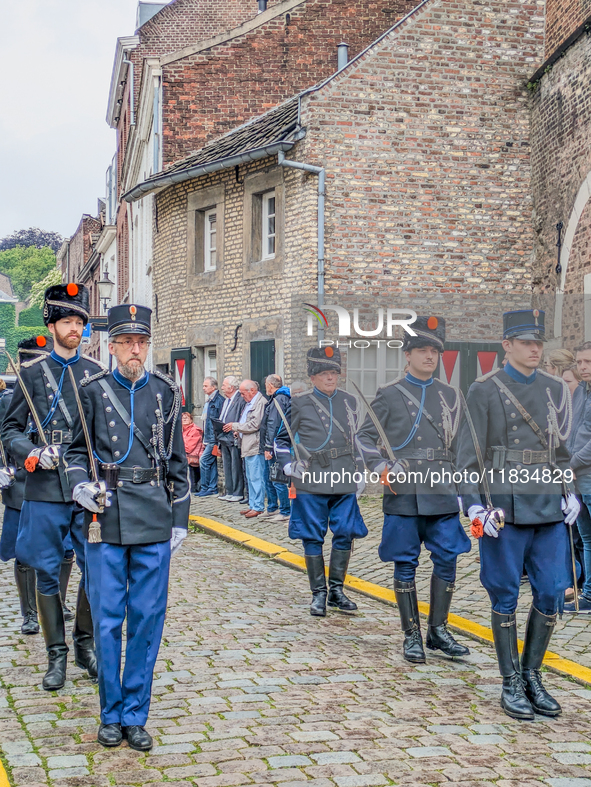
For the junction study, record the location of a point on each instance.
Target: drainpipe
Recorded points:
(131, 96)
(156, 126)
(262, 6)
(320, 171)
(342, 55)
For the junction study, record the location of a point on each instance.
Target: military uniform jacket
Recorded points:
(140, 513)
(12, 496)
(397, 414)
(50, 486)
(332, 445)
(499, 423)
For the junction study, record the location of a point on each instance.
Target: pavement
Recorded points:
(572, 635)
(250, 690)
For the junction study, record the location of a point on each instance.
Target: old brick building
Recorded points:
(561, 167)
(424, 140)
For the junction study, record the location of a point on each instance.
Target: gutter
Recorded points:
(139, 191)
(561, 50)
(129, 65)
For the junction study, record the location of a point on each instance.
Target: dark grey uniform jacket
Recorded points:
(397, 413)
(498, 423)
(316, 430)
(12, 496)
(140, 513)
(49, 486)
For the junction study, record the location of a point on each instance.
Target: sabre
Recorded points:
(94, 529)
(28, 399)
(381, 434)
(296, 446)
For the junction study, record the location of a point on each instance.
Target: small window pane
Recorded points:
(210, 240)
(269, 225)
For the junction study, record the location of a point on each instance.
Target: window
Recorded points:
(210, 240)
(210, 362)
(268, 233)
(374, 366)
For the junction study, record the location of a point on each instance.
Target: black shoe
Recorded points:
(317, 579)
(438, 637)
(51, 616)
(65, 572)
(538, 632)
(110, 734)
(408, 607)
(84, 654)
(26, 583)
(68, 614)
(137, 738)
(337, 571)
(513, 699)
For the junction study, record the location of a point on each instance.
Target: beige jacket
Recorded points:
(249, 430)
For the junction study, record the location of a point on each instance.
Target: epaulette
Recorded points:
(91, 378)
(552, 377)
(100, 364)
(26, 364)
(168, 380)
(392, 382)
(487, 376)
(301, 393)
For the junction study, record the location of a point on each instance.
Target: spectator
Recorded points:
(230, 414)
(248, 428)
(277, 494)
(572, 378)
(193, 440)
(559, 360)
(209, 463)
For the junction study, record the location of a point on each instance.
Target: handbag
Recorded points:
(276, 474)
(193, 460)
(215, 451)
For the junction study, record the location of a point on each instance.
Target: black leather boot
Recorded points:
(51, 617)
(337, 570)
(438, 637)
(65, 571)
(317, 579)
(26, 583)
(513, 699)
(537, 636)
(83, 635)
(408, 607)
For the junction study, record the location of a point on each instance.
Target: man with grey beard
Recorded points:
(133, 419)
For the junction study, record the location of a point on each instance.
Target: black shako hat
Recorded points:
(430, 332)
(36, 345)
(526, 324)
(323, 359)
(66, 300)
(129, 318)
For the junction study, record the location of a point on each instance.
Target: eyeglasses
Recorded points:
(129, 343)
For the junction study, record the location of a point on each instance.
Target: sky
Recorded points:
(56, 58)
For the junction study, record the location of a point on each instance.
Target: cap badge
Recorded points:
(536, 314)
(329, 352)
(432, 323)
(133, 311)
(72, 290)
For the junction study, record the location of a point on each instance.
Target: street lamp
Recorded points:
(105, 288)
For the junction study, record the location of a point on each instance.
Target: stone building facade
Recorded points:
(424, 139)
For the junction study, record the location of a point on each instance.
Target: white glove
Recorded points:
(178, 536)
(49, 457)
(6, 478)
(488, 519)
(571, 508)
(85, 495)
(393, 469)
(296, 469)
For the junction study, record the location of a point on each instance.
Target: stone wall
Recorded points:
(563, 17)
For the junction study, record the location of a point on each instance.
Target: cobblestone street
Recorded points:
(251, 690)
(572, 636)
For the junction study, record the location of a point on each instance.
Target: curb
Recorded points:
(553, 661)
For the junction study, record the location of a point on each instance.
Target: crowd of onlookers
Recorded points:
(240, 424)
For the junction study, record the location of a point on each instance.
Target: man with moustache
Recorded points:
(133, 418)
(48, 514)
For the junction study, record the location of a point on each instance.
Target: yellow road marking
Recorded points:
(552, 660)
(3, 776)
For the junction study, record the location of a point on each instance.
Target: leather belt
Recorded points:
(137, 475)
(54, 437)
(500, 455)
(429, 454)
(325, 456)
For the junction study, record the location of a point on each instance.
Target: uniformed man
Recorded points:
(133, 419)
(420, 416)
(323, 422)
(521, 417)
(48, 515)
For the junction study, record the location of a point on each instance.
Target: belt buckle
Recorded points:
(136, 477)
(430, 454)
(54, 439)
(334, 453)
(527, 456)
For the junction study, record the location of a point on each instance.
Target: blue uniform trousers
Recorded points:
(9, 533)
(443, 536)
(312, 515)
(42, 540)
(541, 549)
(132, 581)
(209, 471)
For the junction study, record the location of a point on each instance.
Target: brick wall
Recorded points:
(563, 17)
(207, 94)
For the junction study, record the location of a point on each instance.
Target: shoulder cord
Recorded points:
(56, 399)
(566, 406)
(166, 452)
(130, 442)
(450, 415)
(415, 426)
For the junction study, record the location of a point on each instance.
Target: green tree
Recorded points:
(25, 266)
(38, 289)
